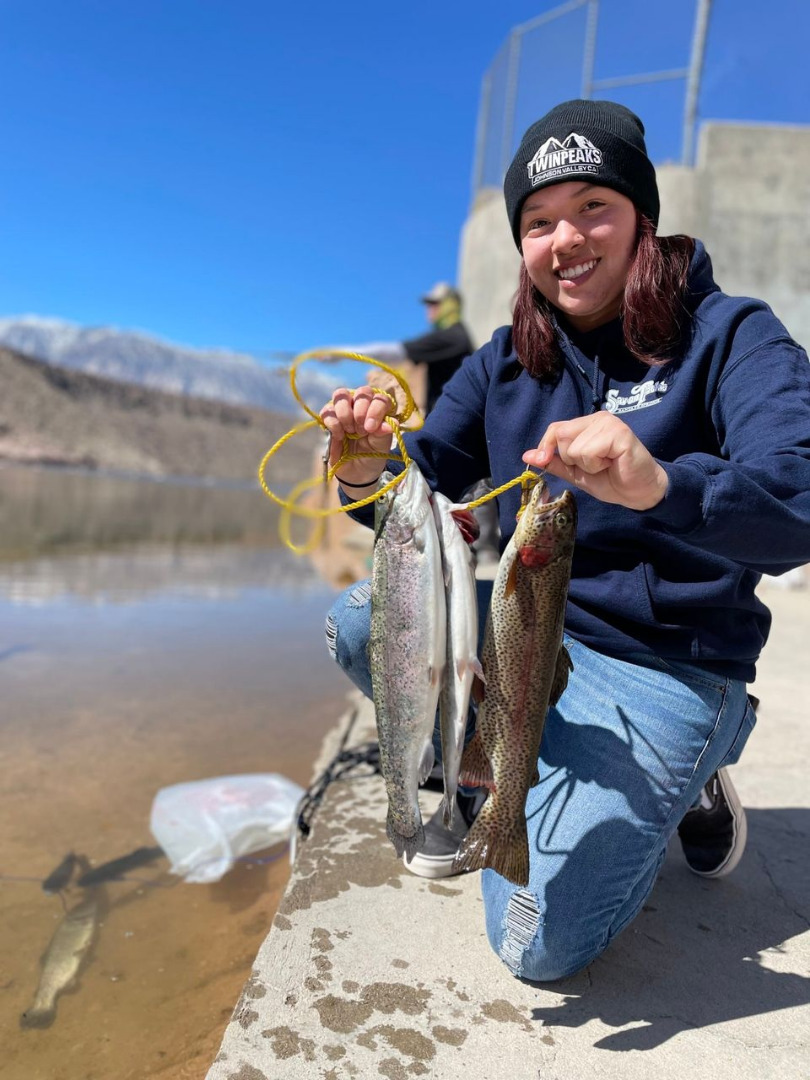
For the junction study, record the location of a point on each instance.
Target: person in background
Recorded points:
(441, 349)
(444, 346)
(680, 418)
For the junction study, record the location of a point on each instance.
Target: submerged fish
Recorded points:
(458, 565)
(59, 878)
(64, 957)
(407, 648)
(112, 870)
(526, 668)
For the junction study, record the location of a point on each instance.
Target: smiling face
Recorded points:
(578, 241)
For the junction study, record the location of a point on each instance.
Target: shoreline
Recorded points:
(108, 472)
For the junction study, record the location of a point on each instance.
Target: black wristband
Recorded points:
(371, 483)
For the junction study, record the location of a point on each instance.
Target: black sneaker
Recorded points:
(435, 857)
(713, 834)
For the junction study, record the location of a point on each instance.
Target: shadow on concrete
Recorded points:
(704, 952)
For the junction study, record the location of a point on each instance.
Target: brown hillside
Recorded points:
(55, 415)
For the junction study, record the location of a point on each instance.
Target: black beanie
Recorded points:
(598, 141)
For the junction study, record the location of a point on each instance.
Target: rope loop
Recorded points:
(397, 420)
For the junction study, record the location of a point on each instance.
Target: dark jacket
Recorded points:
(442, 351)
(729, 422)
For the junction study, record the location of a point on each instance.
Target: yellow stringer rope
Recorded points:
(397, 421)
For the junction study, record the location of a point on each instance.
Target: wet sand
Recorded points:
(109, 694)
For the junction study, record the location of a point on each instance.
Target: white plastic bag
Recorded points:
(205, 824)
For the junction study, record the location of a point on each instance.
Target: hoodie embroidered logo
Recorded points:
(640, 397)
(576, 154)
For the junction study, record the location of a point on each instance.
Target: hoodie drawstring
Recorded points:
(593, 384)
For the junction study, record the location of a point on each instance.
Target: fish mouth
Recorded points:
(468, 524)
(543, 541)
(541, 503)
(545, 500)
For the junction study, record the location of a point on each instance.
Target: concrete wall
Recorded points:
(747, 198)
(488, 266)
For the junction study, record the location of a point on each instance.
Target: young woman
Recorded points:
(681, 418)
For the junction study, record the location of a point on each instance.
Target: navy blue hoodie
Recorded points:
(729, 421)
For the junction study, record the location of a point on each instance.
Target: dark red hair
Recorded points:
(654, 314)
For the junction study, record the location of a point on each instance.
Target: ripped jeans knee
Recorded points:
(348, 626)
(521, 941)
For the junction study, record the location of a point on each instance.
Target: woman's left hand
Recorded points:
(600, 455)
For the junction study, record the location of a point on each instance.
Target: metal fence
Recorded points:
(560, 55)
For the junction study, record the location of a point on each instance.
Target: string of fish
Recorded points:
(398, 419)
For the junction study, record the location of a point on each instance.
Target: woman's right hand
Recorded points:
(358, 412)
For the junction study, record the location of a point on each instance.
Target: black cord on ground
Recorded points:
(342, 764)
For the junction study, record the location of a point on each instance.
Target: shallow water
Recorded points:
(124, 670)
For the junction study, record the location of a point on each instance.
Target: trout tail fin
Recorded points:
(407, 845)
(488, 845)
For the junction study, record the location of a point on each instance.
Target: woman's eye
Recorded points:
(540, 223)
(594, 204)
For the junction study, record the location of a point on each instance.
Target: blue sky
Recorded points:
(274, 176)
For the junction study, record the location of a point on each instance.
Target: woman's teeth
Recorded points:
(576, 271)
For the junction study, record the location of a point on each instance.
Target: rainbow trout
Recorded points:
(526, 668)
(407, 648)
(458, 566)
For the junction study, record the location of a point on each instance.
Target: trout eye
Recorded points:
(560, 519)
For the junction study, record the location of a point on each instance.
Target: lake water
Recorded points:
(149, 634)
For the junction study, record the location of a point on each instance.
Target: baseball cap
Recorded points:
(440, 291)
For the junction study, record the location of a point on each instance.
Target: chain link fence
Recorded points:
(593, 48)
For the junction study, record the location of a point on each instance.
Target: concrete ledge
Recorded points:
(369, 971)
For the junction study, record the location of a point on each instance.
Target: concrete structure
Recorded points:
(488, 266)
(371, 972)
(746, 198)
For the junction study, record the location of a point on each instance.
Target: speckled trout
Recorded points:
(526, 668)
(463, 665)
(407, 648)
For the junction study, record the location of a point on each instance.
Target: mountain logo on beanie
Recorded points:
(575, 154)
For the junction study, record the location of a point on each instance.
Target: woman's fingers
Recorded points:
(592, 450)
(358, 410)
(370, 409)
(556, 443)
(362, 398)
(540, 458)
(599, 454)
(343, 405)
(590, 442)
(359, 413)
(378, 410)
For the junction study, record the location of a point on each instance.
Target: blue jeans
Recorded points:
(624, 755)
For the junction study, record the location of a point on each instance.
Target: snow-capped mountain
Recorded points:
(133, 357)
